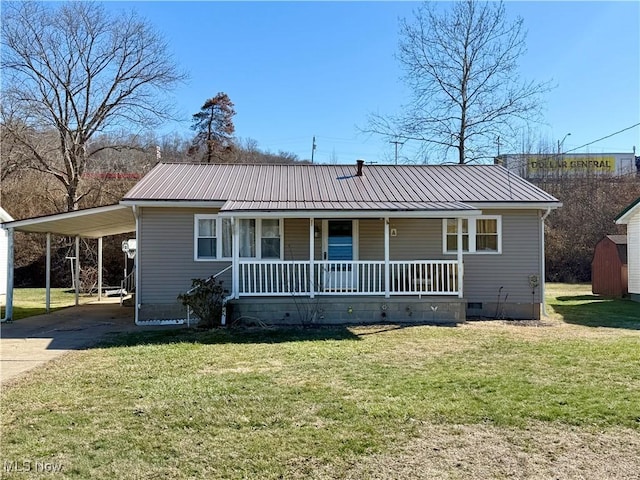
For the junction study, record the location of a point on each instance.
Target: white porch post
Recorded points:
(312, 251)
(8, 309)
(47, 295)
(77, 270)
(235, 268)
(100, 269)
(460, 265)
(543, 273)
(136, 267)
(387, 283)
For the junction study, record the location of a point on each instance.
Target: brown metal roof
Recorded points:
(336, 186)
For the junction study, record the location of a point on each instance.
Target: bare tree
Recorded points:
(72, 71)
(214, 127)
(461, 66)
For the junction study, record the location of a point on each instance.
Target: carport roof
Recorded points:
(90, 223)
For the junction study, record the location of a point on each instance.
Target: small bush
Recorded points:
(205, 301)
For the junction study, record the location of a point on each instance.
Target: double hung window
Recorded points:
(479, 235)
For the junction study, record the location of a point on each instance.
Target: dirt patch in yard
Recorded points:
(481, 451)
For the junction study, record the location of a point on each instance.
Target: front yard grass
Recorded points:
(28, 302)
(483, 400)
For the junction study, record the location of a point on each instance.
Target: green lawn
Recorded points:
(30, 301)
(577, 305)
(357, 402)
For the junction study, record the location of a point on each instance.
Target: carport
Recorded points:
(92, 223)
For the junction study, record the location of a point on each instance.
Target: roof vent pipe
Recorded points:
(360, 164)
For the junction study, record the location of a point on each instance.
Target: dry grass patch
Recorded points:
(539, 451)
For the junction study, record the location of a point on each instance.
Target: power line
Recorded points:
(603, 138)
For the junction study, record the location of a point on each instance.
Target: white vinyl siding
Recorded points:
(633, 253)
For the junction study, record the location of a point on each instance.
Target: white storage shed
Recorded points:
(630, 217)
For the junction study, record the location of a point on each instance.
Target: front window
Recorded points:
(487, 235)
(212, 237)
(257, 238)
(247, 237)
(270, 238)
(227, 240)
(452, 235)
(479, 235)
(206, 239)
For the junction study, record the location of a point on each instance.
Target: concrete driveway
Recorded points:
(33, 341)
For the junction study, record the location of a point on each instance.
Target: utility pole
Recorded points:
(313, 148)
(397, 143)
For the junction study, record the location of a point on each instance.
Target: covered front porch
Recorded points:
(343, 253)
(336, 285)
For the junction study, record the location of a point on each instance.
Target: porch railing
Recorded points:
(127, 285)
(417, 277)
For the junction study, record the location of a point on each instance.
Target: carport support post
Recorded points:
(77, 268)
(100, 269)
(8, 309)
(47, 294)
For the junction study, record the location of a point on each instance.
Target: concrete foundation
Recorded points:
(504, 311)
(328, 310)
(171, 311)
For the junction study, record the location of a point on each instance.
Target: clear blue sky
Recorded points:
(299, 69)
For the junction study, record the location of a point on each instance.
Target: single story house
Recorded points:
(630, 217)
(4, 245)
(331, 243)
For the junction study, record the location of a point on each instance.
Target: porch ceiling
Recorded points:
(90, 223)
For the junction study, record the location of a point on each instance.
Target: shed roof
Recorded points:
(385, 187)
(618, 239)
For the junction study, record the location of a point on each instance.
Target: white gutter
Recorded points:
(174, 203)
(543, 303)
(515, 205)
(137, 263)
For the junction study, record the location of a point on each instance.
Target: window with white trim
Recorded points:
(260, 238)
(270, 238)
(257, 238)
(479, 235)
(451, 235)
(206, 238)
(212, 238)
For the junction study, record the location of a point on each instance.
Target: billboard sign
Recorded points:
(571, 164)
